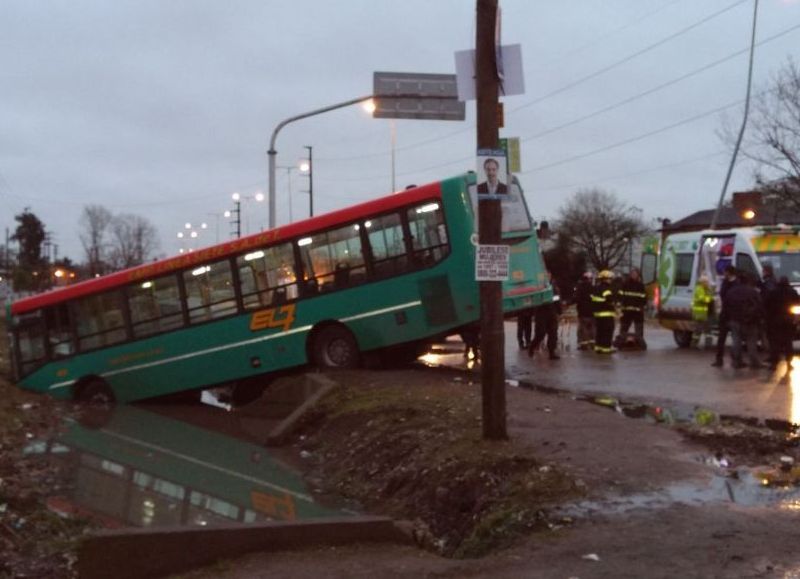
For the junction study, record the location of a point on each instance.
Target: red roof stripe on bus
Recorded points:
(228, 248)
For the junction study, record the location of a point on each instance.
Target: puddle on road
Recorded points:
(751, 487)
(746, 488)
(135, 468)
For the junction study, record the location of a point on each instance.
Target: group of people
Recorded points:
(597, 304)
(749, 310)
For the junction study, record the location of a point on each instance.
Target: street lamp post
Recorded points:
(272, 153)
(236, 213)
(289, 169)
(310, 182)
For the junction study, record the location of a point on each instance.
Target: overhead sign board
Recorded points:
(406, 95)
(492, 262)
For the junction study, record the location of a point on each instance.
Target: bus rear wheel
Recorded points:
(334, 347)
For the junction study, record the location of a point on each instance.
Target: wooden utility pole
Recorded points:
(489, 216)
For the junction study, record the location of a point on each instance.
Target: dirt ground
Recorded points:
(598, 455)
(406, 443)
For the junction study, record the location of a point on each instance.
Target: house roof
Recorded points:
(730, 217)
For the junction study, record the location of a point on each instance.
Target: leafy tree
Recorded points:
(772, 139)
(30, 234)
(134, 241)
(598, 225)
(95, 221)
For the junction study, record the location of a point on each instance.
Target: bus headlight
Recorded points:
(795, 310)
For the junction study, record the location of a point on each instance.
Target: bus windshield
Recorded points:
(516, 219)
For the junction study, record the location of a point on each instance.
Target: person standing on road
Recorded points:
(633, 299)
(745, 312)
(729, 280)
(604, 310)
(585, 311)
(524, 324)
(768, 288)
(785, 298)
(702, 307)
(546, 324)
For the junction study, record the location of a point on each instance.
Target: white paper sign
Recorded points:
(492, 262)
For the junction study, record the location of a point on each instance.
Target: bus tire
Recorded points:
(334, 347)
(682, 337)
(96, 392)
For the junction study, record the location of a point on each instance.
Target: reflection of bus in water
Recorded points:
(141, 469)
(388, 275)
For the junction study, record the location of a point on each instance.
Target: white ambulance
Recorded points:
(684, 257)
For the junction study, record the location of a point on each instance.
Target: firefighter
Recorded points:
(633, 299)
(583, 303)
(603, 302)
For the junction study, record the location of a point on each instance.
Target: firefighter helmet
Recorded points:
(605, 274)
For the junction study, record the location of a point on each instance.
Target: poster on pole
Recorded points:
(492, 171)
(492, 262)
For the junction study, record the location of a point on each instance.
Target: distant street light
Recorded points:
(236, 213)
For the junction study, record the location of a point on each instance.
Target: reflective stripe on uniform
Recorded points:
(604, 314)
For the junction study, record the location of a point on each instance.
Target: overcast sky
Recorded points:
(165, 108)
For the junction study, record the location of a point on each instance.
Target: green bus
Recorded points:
(388, 275)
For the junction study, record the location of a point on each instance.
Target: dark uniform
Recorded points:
(633, 299)
(546, 324)
(585, 307)
(604, 311)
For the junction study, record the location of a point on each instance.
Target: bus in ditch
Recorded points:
(387, 275)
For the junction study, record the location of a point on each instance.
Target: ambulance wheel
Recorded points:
(683, 338)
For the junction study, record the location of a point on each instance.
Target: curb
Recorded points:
(140, 553)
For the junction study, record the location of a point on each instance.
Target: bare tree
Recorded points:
(773, 138)
(594, 222)
(94, 220)
(134, 241)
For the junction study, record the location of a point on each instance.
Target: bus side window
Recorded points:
(335, 258)
(59, 331)
(428, 234)
(209, 291)
(30, 344)
(100, 321)
(155, 306)
(268, 272)
(385, 235)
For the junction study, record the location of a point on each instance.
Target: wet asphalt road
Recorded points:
(662, 374)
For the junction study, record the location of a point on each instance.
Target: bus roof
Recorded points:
(164, 266)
